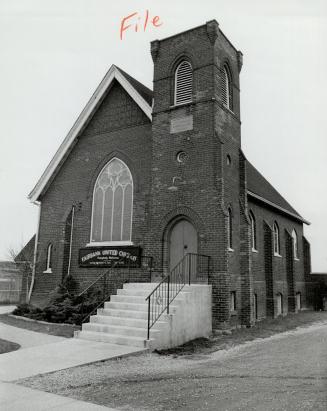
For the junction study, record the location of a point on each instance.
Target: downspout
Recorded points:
(71, 242)
(28, 298)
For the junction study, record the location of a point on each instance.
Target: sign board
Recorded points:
(119, 256)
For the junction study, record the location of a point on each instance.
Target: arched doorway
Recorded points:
(183, 239)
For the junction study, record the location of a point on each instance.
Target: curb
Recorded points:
(18, 317)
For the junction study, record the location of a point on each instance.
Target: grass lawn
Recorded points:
(7, 346)
(61, 330)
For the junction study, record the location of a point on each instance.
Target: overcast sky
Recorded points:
(54, 54)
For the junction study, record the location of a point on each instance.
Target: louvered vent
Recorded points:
(183, 83)
(227, 88)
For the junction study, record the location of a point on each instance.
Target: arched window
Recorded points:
(48, 268)
(227, 87)
(276, 239)
(183, 83)
(295, 244)
(253, 231)
(112, 204)
(229, 229)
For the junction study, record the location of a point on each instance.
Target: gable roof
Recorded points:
(137, 91)
(260, 189)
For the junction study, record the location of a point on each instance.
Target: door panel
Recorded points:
(183, 239)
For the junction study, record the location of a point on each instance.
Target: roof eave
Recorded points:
(277, 207)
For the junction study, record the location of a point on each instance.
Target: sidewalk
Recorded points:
(43, 353)
(26, 338)
(17, 398)
(58, 356)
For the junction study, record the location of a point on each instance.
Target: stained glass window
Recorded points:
(112, 203)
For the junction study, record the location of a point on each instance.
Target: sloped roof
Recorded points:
(259, 188)
(137, 91)
(144, 91)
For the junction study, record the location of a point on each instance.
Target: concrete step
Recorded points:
(127, 322)
(144, 286)
(118, 330)
(137, 299)
(122, 313)
(112, 338)
(127, 306)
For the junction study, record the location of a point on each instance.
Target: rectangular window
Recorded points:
(233, 301)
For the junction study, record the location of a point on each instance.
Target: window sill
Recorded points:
(173, 106)
(109, 243)
(254, 250)
(48, 271)
(277, 255)
(296, 259)
(230, 250)
(233, 313)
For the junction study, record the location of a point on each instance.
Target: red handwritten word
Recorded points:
(137, 22)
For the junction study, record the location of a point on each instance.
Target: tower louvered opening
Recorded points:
(183, 83)
(227, 88)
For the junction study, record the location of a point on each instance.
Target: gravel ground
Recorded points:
(282, 372)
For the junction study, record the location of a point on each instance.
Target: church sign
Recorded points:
(110, 256)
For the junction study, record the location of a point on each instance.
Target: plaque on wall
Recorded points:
(120, 256)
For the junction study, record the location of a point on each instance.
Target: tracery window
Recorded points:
(48, 268)
(112, 204)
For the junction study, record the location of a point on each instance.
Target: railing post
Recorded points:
(168, 282)
(189, 269)
(148, 336)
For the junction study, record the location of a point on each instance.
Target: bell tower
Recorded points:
(196, 141)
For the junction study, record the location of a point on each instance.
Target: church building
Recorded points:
(161, 174)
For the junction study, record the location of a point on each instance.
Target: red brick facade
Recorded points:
(201, 189)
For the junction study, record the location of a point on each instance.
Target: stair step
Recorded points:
(112, 338)
(118, 330)
(136, 299)
(126, 306)
(144, 286)
(122, 313)
(129, 322)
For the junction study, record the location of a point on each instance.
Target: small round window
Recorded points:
(228, 160)
(181, 157)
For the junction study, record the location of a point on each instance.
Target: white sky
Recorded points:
(55, 52)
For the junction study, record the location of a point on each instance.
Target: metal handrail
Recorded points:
(172, 284)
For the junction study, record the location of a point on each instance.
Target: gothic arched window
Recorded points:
(183, 83)
(112, 204)
(227, 87)
(253, 231)
(276, 239)
(230, 229)
(295, 244)
(48, 268)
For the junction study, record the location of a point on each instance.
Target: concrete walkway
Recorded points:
(26, 338)
(58, 356)
(43, 353)
(17, 398)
